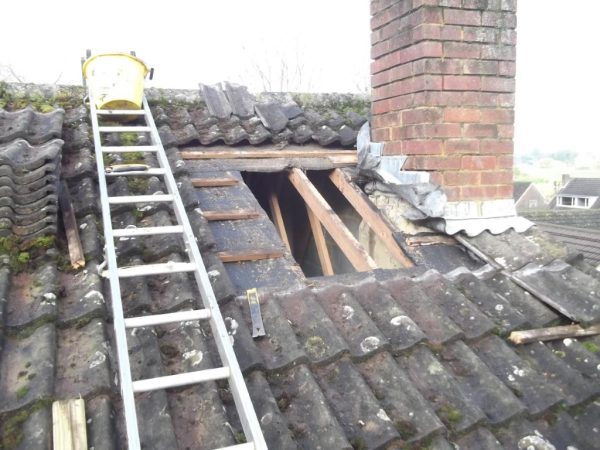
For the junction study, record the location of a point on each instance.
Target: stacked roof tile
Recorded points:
(30, 155)
(385, 359)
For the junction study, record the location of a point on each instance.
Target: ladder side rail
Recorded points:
(237, 384)
(126, 384)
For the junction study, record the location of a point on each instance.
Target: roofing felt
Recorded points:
(582, 186)
(374, 360)
(519, 188)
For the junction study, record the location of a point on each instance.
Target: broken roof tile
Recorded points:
(241, 101)
(271, 115)
(216, 101)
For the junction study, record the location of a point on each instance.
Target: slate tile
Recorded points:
(459, 308)
(430, 318)
(494, 306)
(315, 332)
(575, 388)
(273, 423)
(27, 369)
(440, 388)
(410, 413)
(365, 423)
(527, 384)
(536, 313)
(32, 297)
(82, 361)
(352, 322)
(480, 385)
(101, 431)
(390, 318)
(305, 407)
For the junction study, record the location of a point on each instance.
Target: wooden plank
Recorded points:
(264, 154)
(76, 254)
(214, 182)
(69, 425)
(356, 254)
(552, 333)
(432, 239)
(278, 219)
(320, 242)
(249, 255)
(270, 165)
(370, 214)
(242, 214)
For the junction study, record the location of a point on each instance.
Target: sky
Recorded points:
(308, 45)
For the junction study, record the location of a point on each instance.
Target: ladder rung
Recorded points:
(147, 172)
(124, 199)
(147, 231)
(244, 446)
(182, 379)
(155, 269)
(129, 148)
(134, 129)
(120, 112)
(160, 319)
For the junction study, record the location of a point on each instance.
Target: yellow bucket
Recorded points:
(115, 80)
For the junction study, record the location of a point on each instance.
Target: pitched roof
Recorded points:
(519, 188)
(582, 186)
(371, 360)
(582, 240)
(578, 218)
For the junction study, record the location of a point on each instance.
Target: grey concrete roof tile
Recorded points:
(84, 298)
(27, 124)
(21, 156)
(101, 430)
(314, 330)
(479, 438)
(479, 384)
(430, 318)
(352, 321)
(83, 366)
(241, 101)
(236, 135)
(587, 424)
(563, 432)
(325, 136)
(27, 369)
(302, 134)
(459, 413)
(574, 386)
(78, 136)
(84, 197)
(365, 422)
(88, 234)
(393, 321)
(347, 135)
(36, 431)
(239, 327)
(410, 413)
(578, 355)
(306, 408)
(519, 375)
(519, 432)
(271, 116)
(216, 101)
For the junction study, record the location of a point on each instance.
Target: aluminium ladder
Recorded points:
(231, 370)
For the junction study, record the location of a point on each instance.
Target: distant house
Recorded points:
(582, 193)
(527, 196)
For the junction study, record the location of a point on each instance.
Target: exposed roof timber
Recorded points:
(320, 243)
(370, 214)
(353, 250)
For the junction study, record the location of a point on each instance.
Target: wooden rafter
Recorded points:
(249, 255)
(214, 182)
(354, 251)
(240, 214)
(370, 214)
(320, 242)
(69, 425)
(278, 219)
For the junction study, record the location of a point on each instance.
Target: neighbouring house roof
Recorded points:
(519, 188)
(383, 359)
(582, 186)
(582, 240)
(580, 218)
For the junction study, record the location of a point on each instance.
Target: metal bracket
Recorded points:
(258, 328)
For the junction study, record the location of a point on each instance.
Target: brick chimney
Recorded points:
(443, 83)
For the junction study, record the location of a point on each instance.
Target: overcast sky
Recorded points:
(317, 45)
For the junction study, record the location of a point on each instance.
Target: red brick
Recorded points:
(462, 17)
(480, 34)
(475, 4)
(451, 33)
(499, 19)
(402, 102)
(477, 192)
(462, 115)
(380, 5)
(507, 68)
(381, 134)
(497, 177)
(474, 162)
(462, 83)
(393, 148)
(509, 5)
(452, 193)
(508, 36)
(505, 100)
(426, 49)
(380, 49)
(461, 50)
(497, 84)
(393, 12)
(431, 31)
(461, 146)
(434, 163)
(499, 52)
(437, 130)
(497, 116)
(386, 120)
(505, 162)
(488, 99)
(437, 66)
(496, 146)
(422, 147)
(436, 178)
(479, 130)
(505, 191)
(506, 131)
(380, 107)
(480, 67)
(421, 115)
(461, 178)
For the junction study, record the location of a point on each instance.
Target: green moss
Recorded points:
(240, 437)
(449, 414)
(133, 158)
(315, 346)
(129, 139)
(137, 213)
(17, 259)
(43, 242)
(24, 258)
(560, 353)
(22, 392)
(590, 347)
(137, 185)
(358, 443)
(12, 434)
(108, 159)
(406, 428)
